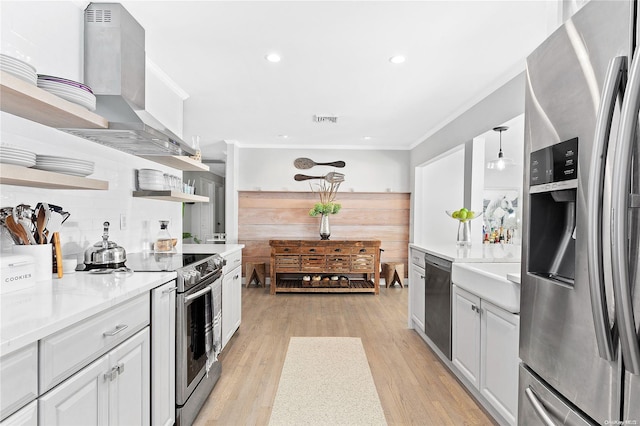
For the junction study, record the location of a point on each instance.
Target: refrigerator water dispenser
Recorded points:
(552, 203)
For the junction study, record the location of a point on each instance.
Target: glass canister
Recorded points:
(164, 243)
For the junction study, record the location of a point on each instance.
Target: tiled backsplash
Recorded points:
(89, 209)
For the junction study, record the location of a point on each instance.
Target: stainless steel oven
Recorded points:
(198, 336)
(198, 323)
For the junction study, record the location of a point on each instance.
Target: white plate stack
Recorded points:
(20, 157)
(64, 165)
(70, 90)
(150, 180)
(18, 68)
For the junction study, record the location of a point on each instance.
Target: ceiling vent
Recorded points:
(325, 118)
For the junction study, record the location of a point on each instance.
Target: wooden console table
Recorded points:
(356, 263)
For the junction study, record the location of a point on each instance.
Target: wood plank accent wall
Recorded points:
(272, 215)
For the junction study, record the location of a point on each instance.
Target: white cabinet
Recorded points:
(231, 295)
(466, 334)
(416, 290)
(112, 390)
(231, 304)
(485, 350)
(26, 416)
(18, 379)
(163, 355)
(65, 352)
(499, 359)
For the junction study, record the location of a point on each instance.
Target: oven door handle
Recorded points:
(197, 294)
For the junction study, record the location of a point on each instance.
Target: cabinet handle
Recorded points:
(119, 328)
(286, 250)
(169, 290)
(476, 309)
(422, 277)
(120, 368)
(337, 250)
(236, 276)
(111, 375)
(363, 250)
(312, 250)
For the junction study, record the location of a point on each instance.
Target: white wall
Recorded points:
(442, 188)
(272, 169)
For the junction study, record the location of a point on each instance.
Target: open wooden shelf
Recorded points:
(180, 162)
(25, 100)
(171, 196)
(11, 174)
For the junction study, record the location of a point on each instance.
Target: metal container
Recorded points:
(105, 253)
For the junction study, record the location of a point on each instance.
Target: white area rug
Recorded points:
(326, 381)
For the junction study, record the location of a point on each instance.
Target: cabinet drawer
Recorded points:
(313, 263)
(417, 258)
(338, 250)
(362, 263)
(286, 250)
(233, 261)
(18, 379)
(338, 263)
(364, 250)
(287, 263)
(65, 352)
(27, 416)
(312, 250)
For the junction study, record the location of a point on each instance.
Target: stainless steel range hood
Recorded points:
(114, 68)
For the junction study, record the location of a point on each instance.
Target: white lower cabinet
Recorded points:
(114, 389)
(499, 359)
(26, 416)
(465, 344)
(18, 379)
(485, 350)
(416, 295)
(163, 355)
(231, 304)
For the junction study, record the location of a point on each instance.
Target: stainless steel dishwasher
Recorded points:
(437, 302)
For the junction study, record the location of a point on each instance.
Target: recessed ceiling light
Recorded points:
(398, 59)
(272, 57)
(283, 136)
(366, 138)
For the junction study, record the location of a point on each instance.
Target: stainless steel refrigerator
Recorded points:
(580, 292)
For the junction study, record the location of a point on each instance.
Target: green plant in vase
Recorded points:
(327, 206)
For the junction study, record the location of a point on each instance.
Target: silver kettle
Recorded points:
(105, 253)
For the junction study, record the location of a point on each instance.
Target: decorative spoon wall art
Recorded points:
(307, 163)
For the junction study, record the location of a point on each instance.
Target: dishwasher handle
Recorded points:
(437, 262)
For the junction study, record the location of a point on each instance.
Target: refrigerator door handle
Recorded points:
(538, 407)
(613, 86)
(620, 190)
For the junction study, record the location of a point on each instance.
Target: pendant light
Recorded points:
(501, 162)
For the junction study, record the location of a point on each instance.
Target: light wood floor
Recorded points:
(415, 388)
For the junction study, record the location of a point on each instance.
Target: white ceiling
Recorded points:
(335, 60)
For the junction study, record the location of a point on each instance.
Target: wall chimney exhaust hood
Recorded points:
(114, 68)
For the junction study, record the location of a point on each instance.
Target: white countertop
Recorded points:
(33, 313)
(514, 277)
(221, 249)
(478, 253)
